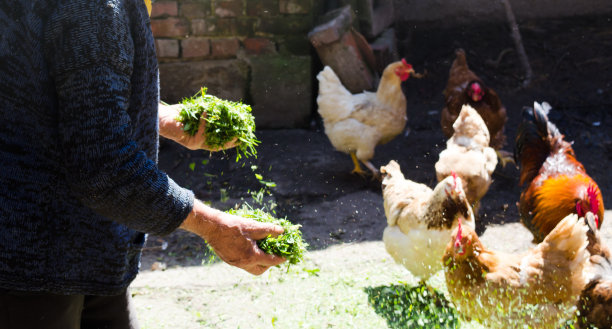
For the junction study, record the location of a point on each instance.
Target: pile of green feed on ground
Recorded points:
(225, 121)
(289, 245)
(404, 306)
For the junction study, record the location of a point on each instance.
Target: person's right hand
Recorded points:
(233, 238)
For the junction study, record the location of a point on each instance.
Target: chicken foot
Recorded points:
(505, 157)
(357, 170)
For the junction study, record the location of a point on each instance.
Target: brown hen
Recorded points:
(465, 87)
(538, 288)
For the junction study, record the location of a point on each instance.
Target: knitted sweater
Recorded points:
(78, 146)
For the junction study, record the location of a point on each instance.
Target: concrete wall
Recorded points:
(453, 12)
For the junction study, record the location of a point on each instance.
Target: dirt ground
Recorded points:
(572, 65)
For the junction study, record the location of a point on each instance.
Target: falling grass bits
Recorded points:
(289, 245)
(225, 121)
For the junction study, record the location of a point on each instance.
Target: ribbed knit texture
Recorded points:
(78, 146)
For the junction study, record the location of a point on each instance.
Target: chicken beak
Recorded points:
(416, 75)
(459, 250)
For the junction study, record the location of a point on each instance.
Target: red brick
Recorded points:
(232, 8)
(195, 9)
(198, 26)
(167, 48)
(170, 27)
(221, 26)
(294, 6)
(258, 46)
(164, 9)
(195, 47)
(224, 48)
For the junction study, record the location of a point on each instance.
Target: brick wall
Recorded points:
(256, 51)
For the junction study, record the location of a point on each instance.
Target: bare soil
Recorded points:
(572, 64)
(342, 214)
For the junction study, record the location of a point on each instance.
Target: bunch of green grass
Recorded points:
(225, 121)
(289, 245)
(404, 306)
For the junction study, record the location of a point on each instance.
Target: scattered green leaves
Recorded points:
(406, 306)
(289, 244)
(225, 121)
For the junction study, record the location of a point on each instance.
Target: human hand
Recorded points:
(170, 128)
(233, 238)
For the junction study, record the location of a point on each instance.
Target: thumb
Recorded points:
(263, 230)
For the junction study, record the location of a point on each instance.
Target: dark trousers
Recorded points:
(23, 310)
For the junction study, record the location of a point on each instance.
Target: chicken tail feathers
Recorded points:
(570, 238)
(532, 144)
(333, 96)
(460, 58)
(391, 179)
(595, 246)
(390, 171)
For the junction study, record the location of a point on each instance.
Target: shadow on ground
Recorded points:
(572, 64)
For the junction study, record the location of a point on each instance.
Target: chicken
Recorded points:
(465, 87)
(555, 183)
(420, 220)
(468, 154)
(595, 304)
(538, 288)
(357, 123)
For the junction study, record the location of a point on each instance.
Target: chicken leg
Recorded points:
(505, 157)
(357, 170)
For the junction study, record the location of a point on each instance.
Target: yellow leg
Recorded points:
(357, 169)
(505, 157)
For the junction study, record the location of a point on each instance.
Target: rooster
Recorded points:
(357, 123)
(420, 220)
(595, 304)
(555, 183)
(465, 87)
(538, 288)
(468, 154)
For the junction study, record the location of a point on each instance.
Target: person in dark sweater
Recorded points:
(80, 186)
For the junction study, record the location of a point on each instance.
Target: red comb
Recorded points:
(406, 63)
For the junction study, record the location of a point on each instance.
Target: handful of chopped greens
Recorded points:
(225, 121)
(289, 245)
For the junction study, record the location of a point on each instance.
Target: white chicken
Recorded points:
(468, 154)
(420, 220)
(356, 123)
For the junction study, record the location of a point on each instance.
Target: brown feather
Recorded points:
(550, 277)
(489, 107)
(560, 183)
(595, 304)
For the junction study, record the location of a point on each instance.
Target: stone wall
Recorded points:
(256, 51)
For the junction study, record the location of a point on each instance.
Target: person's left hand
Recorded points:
(170, 128)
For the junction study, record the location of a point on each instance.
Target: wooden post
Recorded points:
(345, 50)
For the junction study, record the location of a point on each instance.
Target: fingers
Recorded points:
(257, 270)
(268, 259)
(264, 262)
(262, 230)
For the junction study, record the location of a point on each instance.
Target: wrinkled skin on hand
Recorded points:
(233, 238)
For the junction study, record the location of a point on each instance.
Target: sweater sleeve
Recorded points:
(90, 54)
